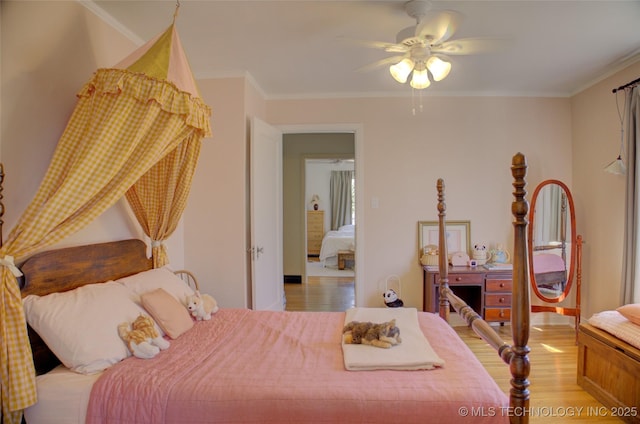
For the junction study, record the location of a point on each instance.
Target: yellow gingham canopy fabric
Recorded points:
(124, 124)
(159, 197)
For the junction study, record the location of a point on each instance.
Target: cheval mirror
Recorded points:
(555, 250)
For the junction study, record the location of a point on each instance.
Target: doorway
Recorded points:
(316, 147)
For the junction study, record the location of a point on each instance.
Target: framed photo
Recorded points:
(458, 236)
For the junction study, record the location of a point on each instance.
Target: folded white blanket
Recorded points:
(414, 353)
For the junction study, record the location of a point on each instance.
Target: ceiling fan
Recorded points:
(424, 48)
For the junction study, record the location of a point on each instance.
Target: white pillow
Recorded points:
(80, 326)
(159, 278)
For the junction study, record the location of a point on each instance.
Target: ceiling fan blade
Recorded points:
(380, 63)
(471, 46)
(382, 45)
(439, 26)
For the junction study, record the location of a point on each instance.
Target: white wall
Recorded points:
(599, 196)
(467, 141)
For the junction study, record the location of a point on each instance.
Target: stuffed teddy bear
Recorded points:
(382, 335)
(391, 299)
(142, 338)
(201, 306)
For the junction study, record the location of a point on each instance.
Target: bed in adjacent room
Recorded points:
(255, 366)
(342, 239)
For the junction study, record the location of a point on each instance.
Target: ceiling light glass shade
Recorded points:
(401, 70)
(616, 167)
(439, 68)
(420, 79)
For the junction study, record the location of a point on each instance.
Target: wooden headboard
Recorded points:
(68, 268)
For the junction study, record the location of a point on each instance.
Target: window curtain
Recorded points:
(549, 218)
(123, 124)
(630, 289)
(159, 197)
(341, 198)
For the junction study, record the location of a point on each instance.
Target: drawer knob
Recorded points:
(501, 300)
(458, 279)
(501, 314)
(501, 285)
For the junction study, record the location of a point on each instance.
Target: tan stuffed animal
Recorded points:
(382, 335)
(201, 306)
(142, 338)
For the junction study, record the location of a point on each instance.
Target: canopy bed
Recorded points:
(231, 368)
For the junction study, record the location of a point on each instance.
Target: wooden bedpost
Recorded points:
(443, 257)
(520, 308)
(1, 204)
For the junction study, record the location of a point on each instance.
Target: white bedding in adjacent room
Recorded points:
(342, 239)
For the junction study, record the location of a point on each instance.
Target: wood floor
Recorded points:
(555, 395)
(321, 294)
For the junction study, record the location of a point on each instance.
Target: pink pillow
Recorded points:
(631, 312)
(169, 313)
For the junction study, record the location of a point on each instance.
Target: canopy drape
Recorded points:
(131, 133)
(159, 197)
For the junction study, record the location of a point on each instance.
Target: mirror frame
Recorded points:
(573, 241)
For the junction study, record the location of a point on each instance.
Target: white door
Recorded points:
(267, 288)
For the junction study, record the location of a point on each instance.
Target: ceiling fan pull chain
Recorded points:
(413, 101)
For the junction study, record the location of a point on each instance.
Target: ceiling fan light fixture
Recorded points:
(438, 67)
(401, 70)
(420, 79)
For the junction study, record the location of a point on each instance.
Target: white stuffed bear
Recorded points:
(142, 338)
(201, 306)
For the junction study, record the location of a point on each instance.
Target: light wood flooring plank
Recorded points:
(555, 395)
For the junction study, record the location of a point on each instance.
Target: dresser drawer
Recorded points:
(315, 225)
(464, 279)
(497, 314)
(503, 300)
(314, 244)
(496, 285)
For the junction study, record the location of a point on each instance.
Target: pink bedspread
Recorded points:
(276, 367)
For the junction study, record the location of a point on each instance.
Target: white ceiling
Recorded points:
(294, 49)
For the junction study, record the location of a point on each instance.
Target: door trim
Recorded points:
(358, 131)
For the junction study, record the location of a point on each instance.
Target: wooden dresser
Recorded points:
(315, 232)
(488, 292)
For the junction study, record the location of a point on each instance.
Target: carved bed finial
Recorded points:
(443, 257)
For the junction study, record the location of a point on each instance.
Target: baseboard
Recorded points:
(293, 279)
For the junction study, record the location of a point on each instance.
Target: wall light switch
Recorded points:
(375, 202)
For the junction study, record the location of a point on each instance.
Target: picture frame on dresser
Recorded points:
(458, 236)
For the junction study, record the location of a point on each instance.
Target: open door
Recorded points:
(267, 289)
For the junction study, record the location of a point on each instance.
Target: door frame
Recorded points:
(358, 137)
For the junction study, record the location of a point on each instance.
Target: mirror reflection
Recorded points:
(552, 241)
